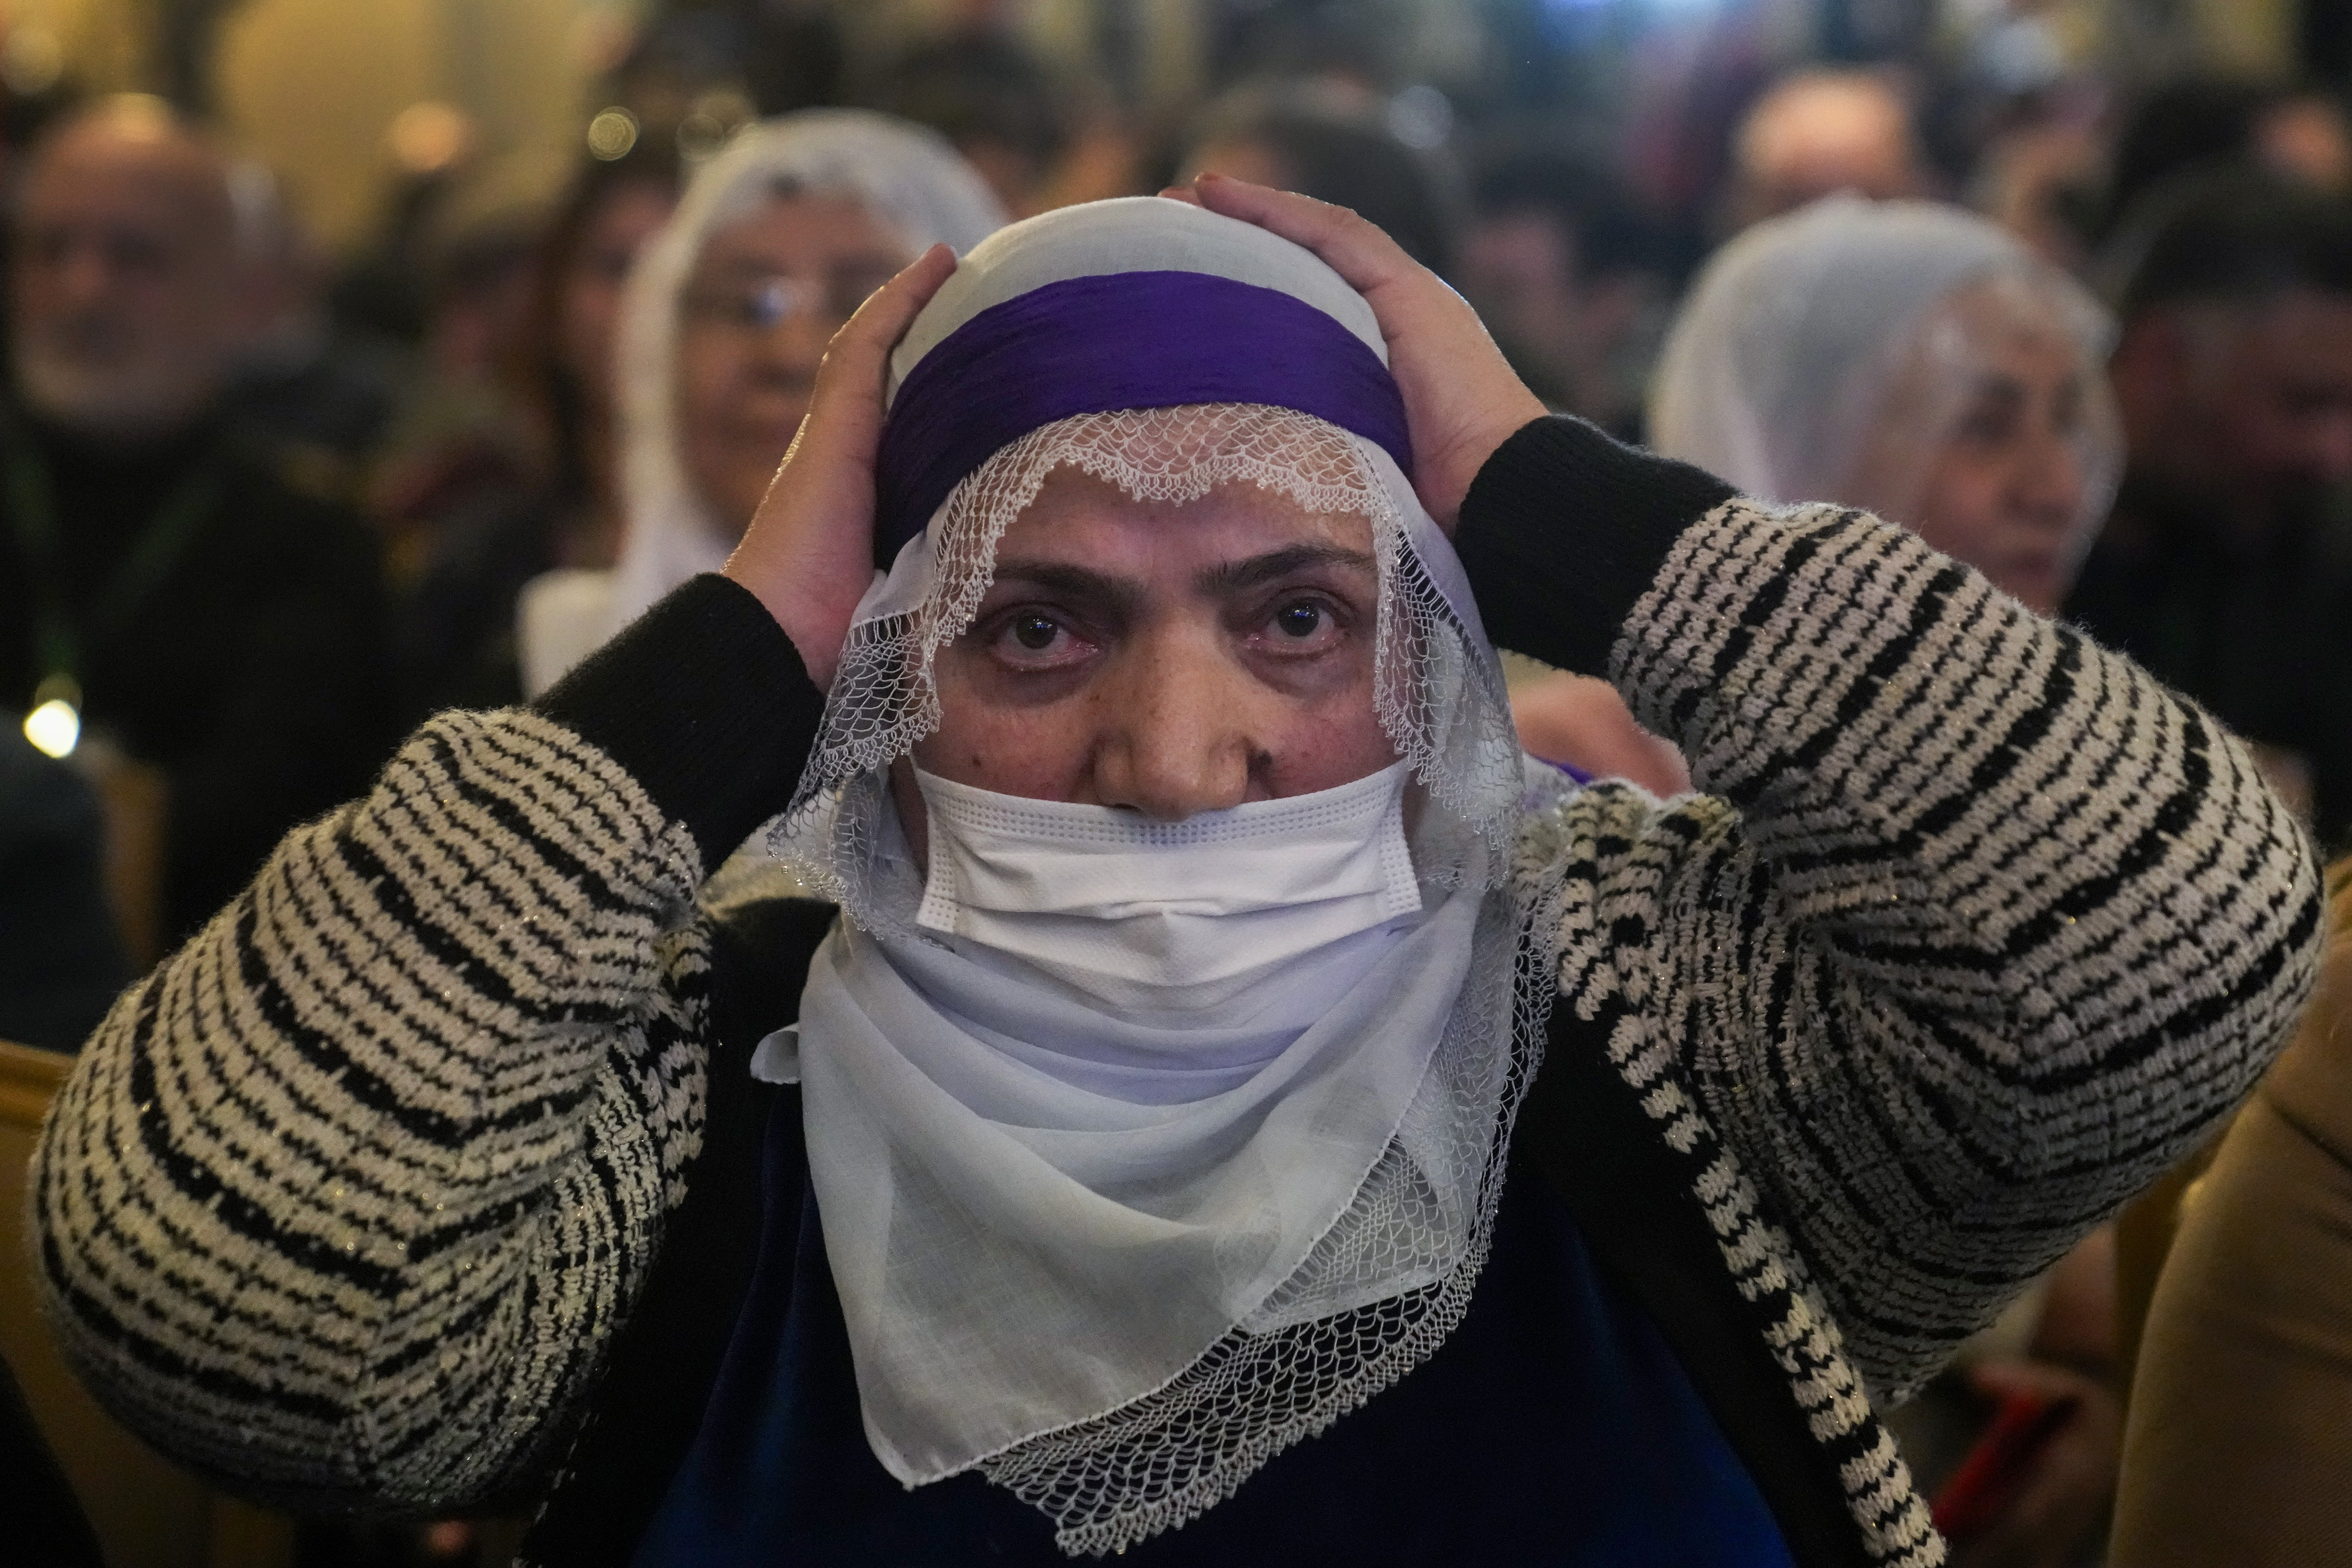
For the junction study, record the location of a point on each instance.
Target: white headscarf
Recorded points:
(1114, 1263)
(1814, 336)
(905, 175)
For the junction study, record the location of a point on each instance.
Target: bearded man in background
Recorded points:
(213, 625)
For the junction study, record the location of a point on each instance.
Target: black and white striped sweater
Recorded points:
(1975, 929)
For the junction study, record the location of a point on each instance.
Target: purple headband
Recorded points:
(1120, 339)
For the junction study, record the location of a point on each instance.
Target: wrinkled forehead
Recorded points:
(1164, 453)
(1231, 480)
(1071, 479)
(1996, 335)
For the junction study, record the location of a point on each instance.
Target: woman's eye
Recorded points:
(1300, 620)
(1301, 628)
(1989, 427)
(1036, 639)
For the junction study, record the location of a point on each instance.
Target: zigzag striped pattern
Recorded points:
(1978, 930)
(346, 1199)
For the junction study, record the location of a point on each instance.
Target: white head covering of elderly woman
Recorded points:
(1182, 1279)
(1825, 356)
(905, 175)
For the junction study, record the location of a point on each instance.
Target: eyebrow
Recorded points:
(2011, 388)
(748, 268)
(1227, 576)
(1076, 583)
(1274, 564)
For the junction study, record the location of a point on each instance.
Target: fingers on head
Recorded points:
(875, 328)
(890, 308)
(1353, 245)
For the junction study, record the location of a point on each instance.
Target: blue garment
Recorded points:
(1554, 1428)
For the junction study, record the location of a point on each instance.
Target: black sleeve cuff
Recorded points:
(704, 700)
(1564, 529)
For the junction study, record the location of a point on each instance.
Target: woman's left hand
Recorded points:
(1462, 398)
(809, 552)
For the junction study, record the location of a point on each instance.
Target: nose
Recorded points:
(790, 351)
(1174, 736)
(2048, 488)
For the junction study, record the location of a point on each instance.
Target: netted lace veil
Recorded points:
(1311, 1329)
(1438, 689)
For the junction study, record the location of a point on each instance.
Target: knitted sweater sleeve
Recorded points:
(346, 1199)
(1974, 929)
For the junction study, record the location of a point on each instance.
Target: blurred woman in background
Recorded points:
(723, 327)
(1902, 357)
(1909, 358)
(561, 507)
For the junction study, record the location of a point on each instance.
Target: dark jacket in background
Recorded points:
(46, 1525)
(454, 632)
(253, 675)
(2260, 633)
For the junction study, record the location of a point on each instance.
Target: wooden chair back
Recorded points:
(147, 1511)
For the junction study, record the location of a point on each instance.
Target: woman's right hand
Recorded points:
(809, 553)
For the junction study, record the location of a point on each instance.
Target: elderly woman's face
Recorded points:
(766, 294)
(1168, 658)
(2004, 488)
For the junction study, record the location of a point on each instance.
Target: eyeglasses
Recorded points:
(768, 302)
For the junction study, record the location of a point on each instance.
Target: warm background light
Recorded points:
(54, 727)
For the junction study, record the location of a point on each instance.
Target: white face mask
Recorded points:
(1145, 916)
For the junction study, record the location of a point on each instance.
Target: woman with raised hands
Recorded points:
(1232, 1108)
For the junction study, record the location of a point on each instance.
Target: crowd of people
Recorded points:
(1941, 903)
